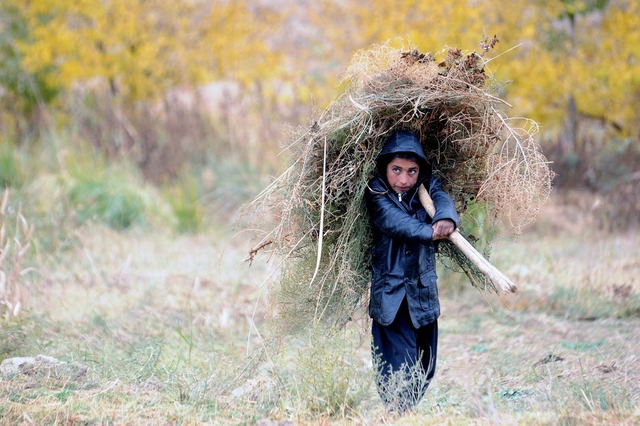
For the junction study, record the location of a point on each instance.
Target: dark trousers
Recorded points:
(404, 359)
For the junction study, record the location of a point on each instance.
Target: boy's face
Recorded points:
(402, 174)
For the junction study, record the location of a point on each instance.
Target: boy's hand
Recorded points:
(442, 229)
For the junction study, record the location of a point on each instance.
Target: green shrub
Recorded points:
(113, 196)
(10, 171)
(115, 203)
(184, 198)
(60, 202)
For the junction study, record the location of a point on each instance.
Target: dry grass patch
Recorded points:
(580, 272)
(173, 330)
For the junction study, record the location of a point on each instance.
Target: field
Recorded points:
(132, 133)
(150, 328)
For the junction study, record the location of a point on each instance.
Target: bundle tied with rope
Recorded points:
(486, 160)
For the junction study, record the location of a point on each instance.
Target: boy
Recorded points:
(404, 295)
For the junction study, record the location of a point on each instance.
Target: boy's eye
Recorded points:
(396, 169)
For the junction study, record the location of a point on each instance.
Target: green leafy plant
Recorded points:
(109, 197)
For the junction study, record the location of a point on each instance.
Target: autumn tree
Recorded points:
(561, 63)
(20, 91)
(141, 48)
(134, 52)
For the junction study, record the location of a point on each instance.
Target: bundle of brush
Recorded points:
(482, 156)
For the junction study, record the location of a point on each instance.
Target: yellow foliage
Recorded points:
(234, 41)
(542, 57)
(142, 48)
(549, 51)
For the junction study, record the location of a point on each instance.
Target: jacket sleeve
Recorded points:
(445, 208)
(390, 219)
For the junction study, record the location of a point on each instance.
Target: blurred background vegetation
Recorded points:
(173, 113)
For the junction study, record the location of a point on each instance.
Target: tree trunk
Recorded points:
(569, 136)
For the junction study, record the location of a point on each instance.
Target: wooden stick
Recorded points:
(501, 281)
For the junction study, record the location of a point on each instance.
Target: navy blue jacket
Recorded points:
(403, 253)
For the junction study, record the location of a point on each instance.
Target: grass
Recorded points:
(175, 330)
(183, 198)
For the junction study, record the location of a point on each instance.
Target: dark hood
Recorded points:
(403, 141)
